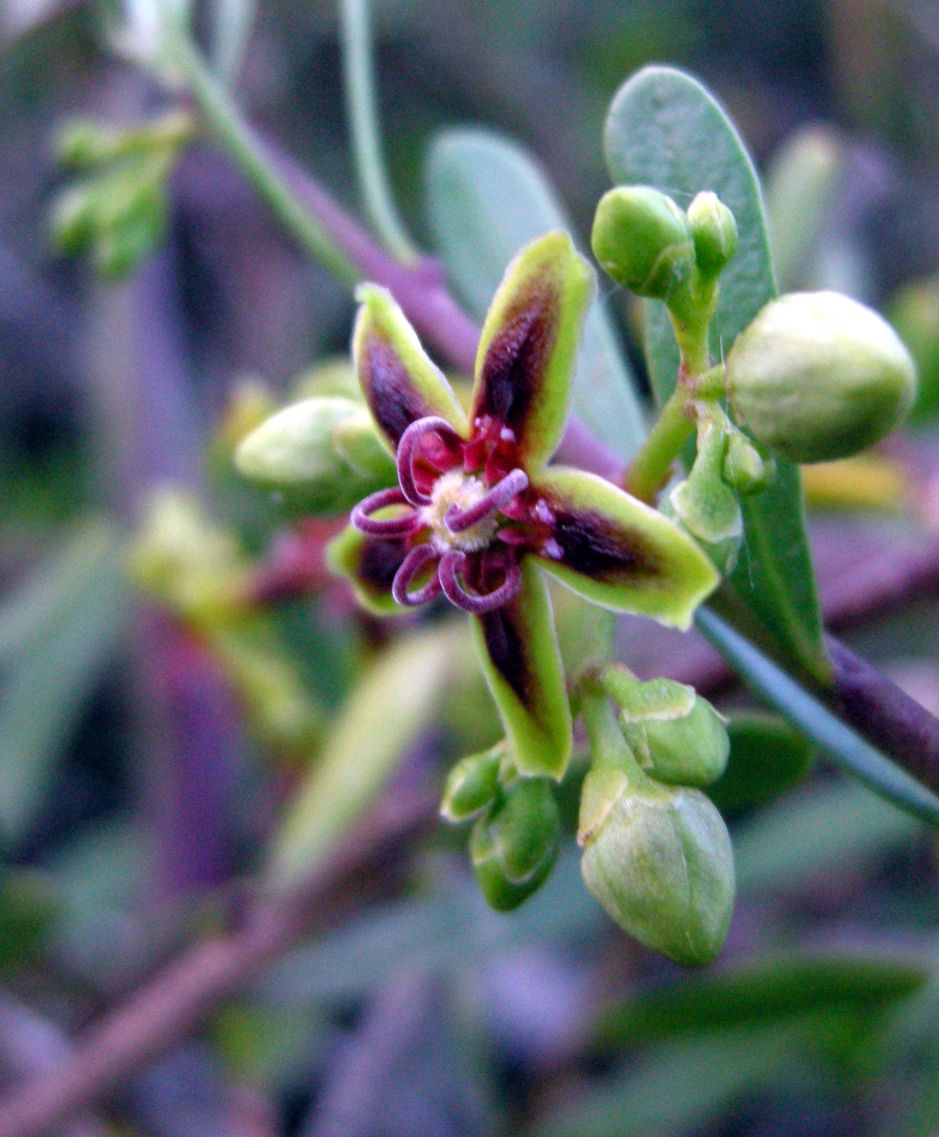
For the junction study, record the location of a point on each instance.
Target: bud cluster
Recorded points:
(656, 852)
(515, 838)
(647, 243)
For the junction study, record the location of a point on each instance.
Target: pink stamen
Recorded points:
(412, 565)
(458, 520)
(385, 526)
(451, 565)
(409, 449)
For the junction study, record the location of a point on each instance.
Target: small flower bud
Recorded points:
(513, 847)
(745, 469)
(659, 860)
(642, 240)
(674, 734)
(472, 784)
(296, 452)
(714, 232)
(818, 376)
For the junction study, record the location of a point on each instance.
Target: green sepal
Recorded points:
(705, 505)
(398, 380)
(621, 553)
(674, 734)
(356, 439)
(528, 345)
(369, 564)
(519, 656)
(513, 847)
(659, 860)
(297, 452)
(472, 784)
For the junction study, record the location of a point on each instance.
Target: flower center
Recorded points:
(464, 491)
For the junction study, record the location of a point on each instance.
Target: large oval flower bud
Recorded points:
(818, 376)
(642, 240)
(514, 846)
(660, 862)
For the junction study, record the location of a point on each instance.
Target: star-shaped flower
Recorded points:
(477, 511)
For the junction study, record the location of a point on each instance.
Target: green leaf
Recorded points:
(801, 189)
(677, 1087)
(665, 130)
(767, 757)
(825, 729)
(486, 199)
(76, 610)
(823, 830)
(767, 991)
(383, 716)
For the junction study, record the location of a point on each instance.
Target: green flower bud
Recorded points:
(818, 376)
(659, 860)
(714, 232)
(642, 240)
(674, 734)
(472, 784)
(745, 469)
(513, 847)
(314, 453)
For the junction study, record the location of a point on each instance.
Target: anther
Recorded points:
(459, 520)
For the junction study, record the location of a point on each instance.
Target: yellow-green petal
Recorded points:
(519, 656)
(369, 564)
(529, 343)
(398, 380)
(621, 553)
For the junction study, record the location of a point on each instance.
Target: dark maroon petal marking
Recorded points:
(513, 372)
(379, 561)
(592, 545)
(412, 565)
(387, 526)
(504, 632)
(458, 520)
(389, 388)
(409, 449)
(452, 565)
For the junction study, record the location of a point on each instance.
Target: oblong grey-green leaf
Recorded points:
(486, 198)
(80, 603)
(664, 129)
(770, 989)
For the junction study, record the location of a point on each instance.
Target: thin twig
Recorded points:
(173, 1004)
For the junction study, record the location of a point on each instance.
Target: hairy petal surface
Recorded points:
(519, 655)
(621, 553)
(399, 381)
(369, 564)
(529, 342)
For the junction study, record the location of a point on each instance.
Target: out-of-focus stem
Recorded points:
(362, 111)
